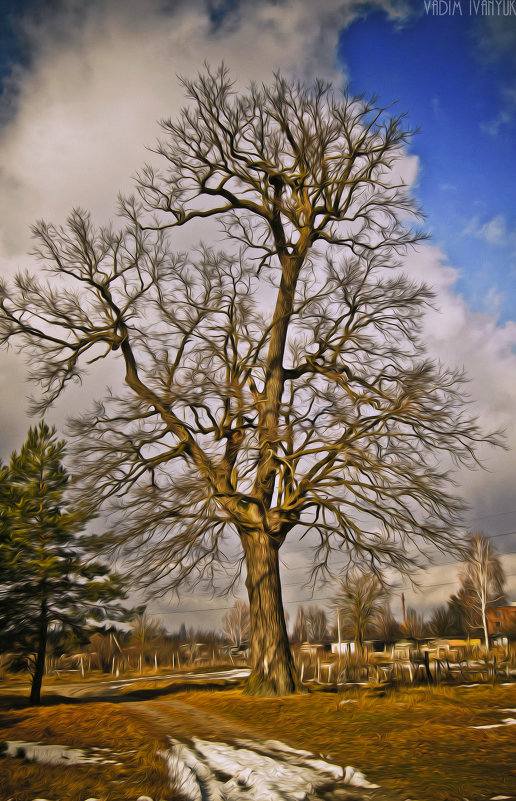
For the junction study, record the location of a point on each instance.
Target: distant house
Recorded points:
(348, 647)
(451, 647)
(500, 619)
(403, 649)
(313, 649)
(344, 648)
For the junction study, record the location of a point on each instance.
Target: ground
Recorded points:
(416, 743)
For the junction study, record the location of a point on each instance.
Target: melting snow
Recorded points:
(252, 771)
(505, 722)
(51, 754)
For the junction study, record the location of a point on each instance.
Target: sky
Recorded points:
(82, 86)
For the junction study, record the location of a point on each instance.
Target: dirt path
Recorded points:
(182, 721)
(176, 718)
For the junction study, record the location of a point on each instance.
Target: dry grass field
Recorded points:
(127, 738)
(418, 741)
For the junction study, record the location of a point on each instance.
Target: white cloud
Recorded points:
(438, 582)
(80, 115)
(495, 231)
(102, 73)
(500, 121)
(474, 342)
(505, 115)
(487, 351)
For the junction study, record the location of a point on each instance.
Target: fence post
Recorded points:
(427, 668)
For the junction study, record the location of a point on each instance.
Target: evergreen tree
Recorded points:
(49, 584)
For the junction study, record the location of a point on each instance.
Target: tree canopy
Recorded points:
(281, 384)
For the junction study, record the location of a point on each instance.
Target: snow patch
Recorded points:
(51, 754)
(505, 722)
(252, 771)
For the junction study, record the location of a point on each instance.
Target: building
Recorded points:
(501, 619)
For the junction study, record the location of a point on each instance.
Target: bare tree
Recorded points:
(300, 630)
(444, 621)
(414, 625)
(236, 623)
(482, 582)
(385, 625)
(316, 624)
(145, 633)
(106, 648)
(359, 600)
(283, 386)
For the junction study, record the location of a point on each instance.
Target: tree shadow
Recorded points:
(48, 698)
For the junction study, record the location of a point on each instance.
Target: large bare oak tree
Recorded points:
(279, 385)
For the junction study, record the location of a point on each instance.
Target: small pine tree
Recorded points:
(49, 584)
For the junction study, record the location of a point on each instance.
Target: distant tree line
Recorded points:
(362, 605)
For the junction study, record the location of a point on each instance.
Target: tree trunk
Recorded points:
(484, 626)
(273, 668)
(37, 679)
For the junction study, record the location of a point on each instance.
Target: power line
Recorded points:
(329, 598)
(300, 600)
(190, 611)
(498, 514)
(433, 564)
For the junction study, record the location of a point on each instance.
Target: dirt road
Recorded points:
(113, 688)
(183, 723)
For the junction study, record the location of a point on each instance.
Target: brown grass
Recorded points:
(99, 725)
(416, 741)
